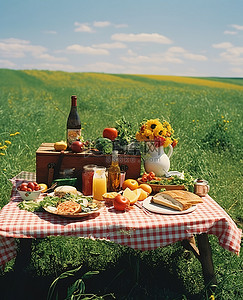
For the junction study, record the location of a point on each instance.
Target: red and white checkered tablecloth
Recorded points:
(132, 228)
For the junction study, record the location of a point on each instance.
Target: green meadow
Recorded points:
(206, 115)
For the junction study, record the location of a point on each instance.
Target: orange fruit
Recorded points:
(43, 187)
(142, 194)
(147, 188)
(132, 184)
(133, 196)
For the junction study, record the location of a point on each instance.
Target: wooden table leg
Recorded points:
(203, 253)
(206, 259)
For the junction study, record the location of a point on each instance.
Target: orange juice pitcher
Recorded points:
(99, 183)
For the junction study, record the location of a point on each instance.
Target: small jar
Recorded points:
(87, 179)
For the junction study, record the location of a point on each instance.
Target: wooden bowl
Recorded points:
(157, 187)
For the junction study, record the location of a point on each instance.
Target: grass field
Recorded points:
(206, 114)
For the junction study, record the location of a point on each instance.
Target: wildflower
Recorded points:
(2, 153)
(4, 169)
(193, 121)
(4, 147)
(211, 297)
(8, 142)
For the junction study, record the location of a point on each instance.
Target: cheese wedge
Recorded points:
(176, 199)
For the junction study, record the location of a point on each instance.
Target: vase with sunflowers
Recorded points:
(157, 135)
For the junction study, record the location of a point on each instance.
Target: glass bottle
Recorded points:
(114, 173)
(73, 123)
(99, 183)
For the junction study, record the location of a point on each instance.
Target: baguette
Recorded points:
(176, 199)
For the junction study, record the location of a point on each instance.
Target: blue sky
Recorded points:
(165, 37)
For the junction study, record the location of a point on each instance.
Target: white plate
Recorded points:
(159, 209)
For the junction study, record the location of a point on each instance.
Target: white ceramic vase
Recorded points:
(156, 160)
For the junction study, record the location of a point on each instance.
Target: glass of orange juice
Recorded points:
(99, 183)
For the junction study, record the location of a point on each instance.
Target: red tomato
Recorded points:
(31, 186)
(145, 177)
(110, 133)
(23, 188)
(121, 203)
(37, 188)
(29, 190)
(151, 176)
(77, 146)
(35, 183)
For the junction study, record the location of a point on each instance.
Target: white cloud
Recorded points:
(230, 32)
(6, 64)
(19, 48)
(16, 48)
(196, 57)
(102, 24)
(110, 46)
(49, 57)
(141, 37)
(86, 50)
(175, 55)
(224, 45)
(82, 27)
(238, 27)
(232, 55)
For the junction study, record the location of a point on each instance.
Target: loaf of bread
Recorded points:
(61, 191)
(176, 199)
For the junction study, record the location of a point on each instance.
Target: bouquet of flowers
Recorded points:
(158, 132)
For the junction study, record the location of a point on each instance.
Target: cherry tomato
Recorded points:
(121, 203)
(35, 183)
(37, 188)
(29, 190)
(151, 176)
(31, 186)
(110, 133)
(145, 177)
(23, 188)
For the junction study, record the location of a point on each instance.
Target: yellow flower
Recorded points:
(160, 131)
(2, 153)
(152, 124)
(148, 134)
(167, 142)
(4, 169)
(8, 142)
(211, 297)
(3, 147)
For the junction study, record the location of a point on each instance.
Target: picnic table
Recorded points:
(132, 228)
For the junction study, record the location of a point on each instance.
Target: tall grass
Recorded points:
(36, 104)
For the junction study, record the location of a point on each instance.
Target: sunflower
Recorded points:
(148, 134)
(152, 124)
(160, 131)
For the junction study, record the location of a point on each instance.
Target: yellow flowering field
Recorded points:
(205, 114)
